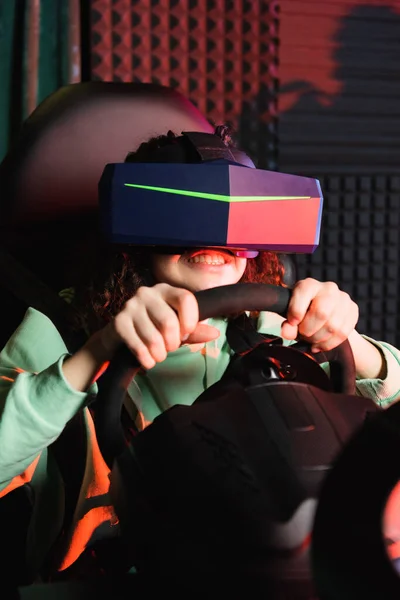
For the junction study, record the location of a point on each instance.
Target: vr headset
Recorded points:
(221, 200)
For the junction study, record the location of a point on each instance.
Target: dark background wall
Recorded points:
(339, 120)
(312, 87)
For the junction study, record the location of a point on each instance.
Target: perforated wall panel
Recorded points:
(360, 247)
(221, 54)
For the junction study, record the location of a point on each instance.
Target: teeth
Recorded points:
(208, 259)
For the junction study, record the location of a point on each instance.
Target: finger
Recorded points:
(174, 311)
(327, 338)
(320, 314)
(126, 332)
(166, 321)
(335, 325)
(328, 344)
(152, 338)
(336, 333)
(303, 293)
(328, 313)
(288, 331)
(185, 304)
(202, 334)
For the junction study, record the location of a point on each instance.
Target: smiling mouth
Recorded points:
(209, 256)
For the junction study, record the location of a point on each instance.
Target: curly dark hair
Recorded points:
(117, 272)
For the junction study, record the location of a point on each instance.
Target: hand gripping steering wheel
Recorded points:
(224, 300)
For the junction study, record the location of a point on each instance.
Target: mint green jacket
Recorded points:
(36, 402)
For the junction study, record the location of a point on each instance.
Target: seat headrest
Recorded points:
(53, 169)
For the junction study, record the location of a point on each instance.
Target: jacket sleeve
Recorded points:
(383, 392)
(36, 401)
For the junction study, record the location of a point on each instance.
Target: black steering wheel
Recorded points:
(229, 299)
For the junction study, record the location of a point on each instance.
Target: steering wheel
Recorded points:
(229, 299)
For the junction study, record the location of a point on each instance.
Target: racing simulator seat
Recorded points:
(48, 203)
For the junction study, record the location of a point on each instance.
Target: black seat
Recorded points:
(48, 201)
(49, 178)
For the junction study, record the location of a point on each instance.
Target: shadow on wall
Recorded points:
(357, 130)
(352, 144)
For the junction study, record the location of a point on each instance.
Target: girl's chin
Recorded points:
(208, 276)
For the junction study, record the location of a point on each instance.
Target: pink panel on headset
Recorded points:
(291, 223)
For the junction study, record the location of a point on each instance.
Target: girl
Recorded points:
(144, 299)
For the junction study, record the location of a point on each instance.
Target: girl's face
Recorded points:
(199, 269)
